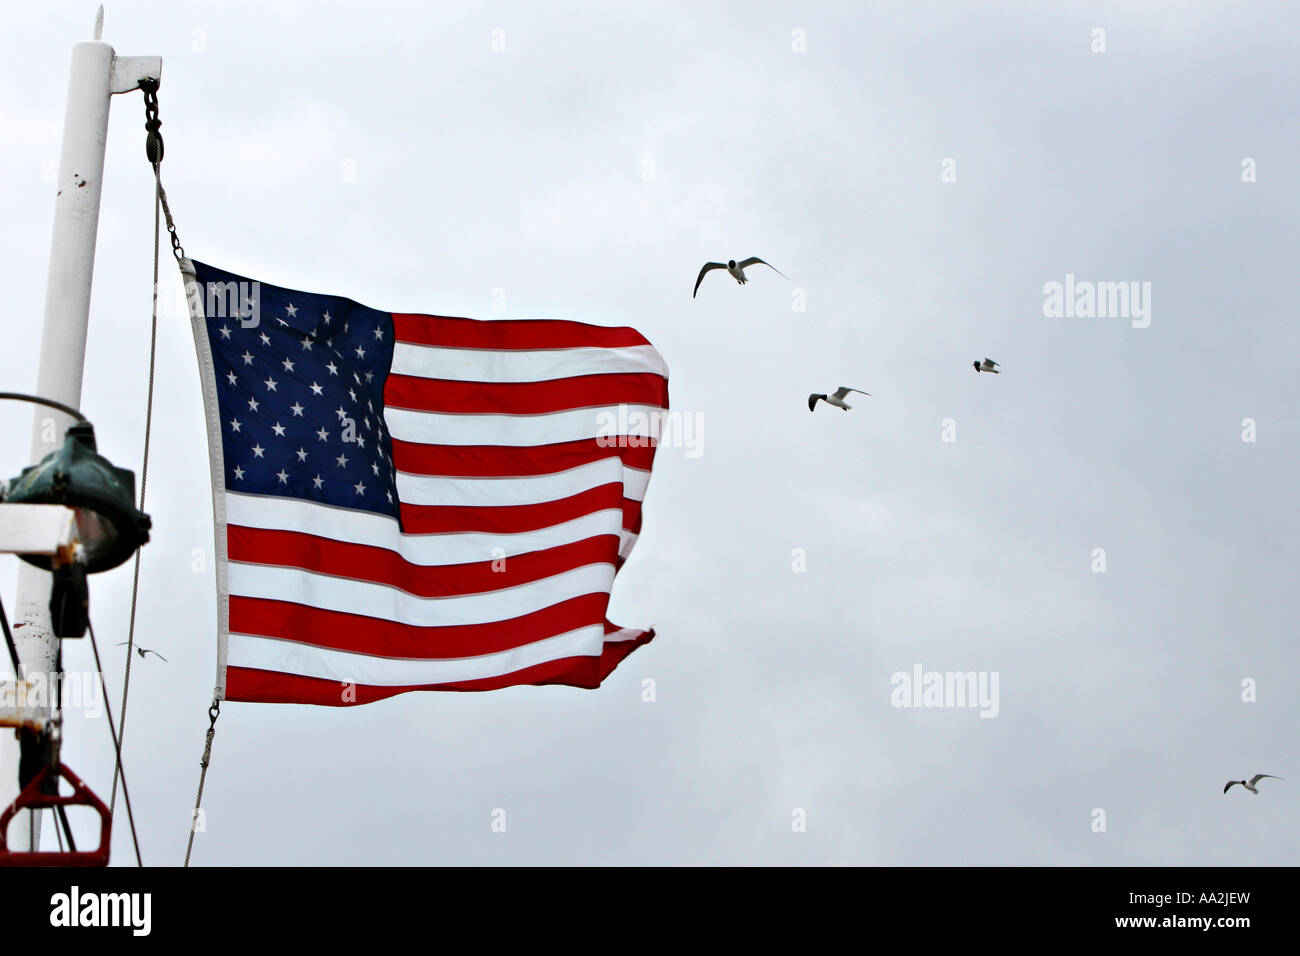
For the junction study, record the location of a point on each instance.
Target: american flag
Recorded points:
(414, 502)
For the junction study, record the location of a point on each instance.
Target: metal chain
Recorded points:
(153, 144)
(213, 713)
(153, 151)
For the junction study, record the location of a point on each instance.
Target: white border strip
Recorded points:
(216, 461)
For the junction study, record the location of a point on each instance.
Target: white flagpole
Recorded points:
(96, 74)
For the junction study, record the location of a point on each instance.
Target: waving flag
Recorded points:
(413, 502)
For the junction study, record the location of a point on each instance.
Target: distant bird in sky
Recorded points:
(837, 399)
(142, 651)
(737, 270)
(986, 366)
(1251, 785)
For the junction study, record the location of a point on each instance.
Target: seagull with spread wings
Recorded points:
(837, 399)
(1251, 784)
(142, 651)
(988, 365)
(736, 269)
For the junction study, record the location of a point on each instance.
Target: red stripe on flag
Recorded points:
(512, 519)
(366, 563)
(243, 683)
(359, 634)
(525, 398)
(498, 461)
(510, 334)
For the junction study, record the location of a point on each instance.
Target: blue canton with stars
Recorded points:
(300, 386)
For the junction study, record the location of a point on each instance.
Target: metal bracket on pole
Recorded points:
(24, 705)
(49, 530)
(130, 71)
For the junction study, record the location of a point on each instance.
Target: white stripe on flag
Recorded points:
(289, 657)
(535, 489)
(275, 513)
(482, 365)
(622, 634)
(383, 601)
(454, 428)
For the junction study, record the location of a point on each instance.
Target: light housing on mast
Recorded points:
(101, 495)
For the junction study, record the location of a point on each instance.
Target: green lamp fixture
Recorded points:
(101, 495)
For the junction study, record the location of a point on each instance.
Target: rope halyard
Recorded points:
(9, 642)
(61, 813)
(117, 746)
(213, 713)
(154, 153)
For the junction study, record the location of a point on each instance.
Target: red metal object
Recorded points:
(32, 798)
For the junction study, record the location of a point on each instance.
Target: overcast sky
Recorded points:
(585, 160)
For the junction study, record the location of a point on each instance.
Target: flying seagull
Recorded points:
(837, 399)
(1251, 785)
(142, 651)
(986, 366)
(737, 270)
